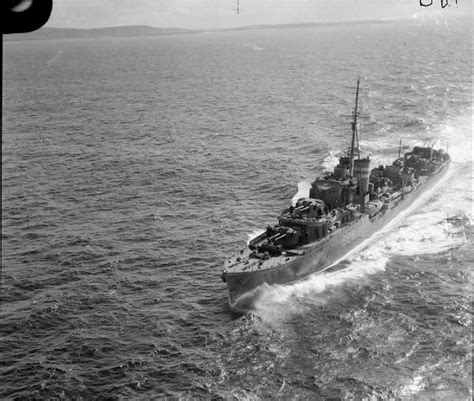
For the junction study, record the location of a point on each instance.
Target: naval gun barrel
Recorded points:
(273, 237)
(278, 237)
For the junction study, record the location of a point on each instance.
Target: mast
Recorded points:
(238, 8)
(354, 131)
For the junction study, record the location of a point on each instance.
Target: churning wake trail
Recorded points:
(419, 229)
(303, 191)
(111, 239)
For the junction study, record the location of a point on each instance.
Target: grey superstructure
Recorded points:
(342, 210)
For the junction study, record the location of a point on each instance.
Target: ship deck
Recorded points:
(242, 262)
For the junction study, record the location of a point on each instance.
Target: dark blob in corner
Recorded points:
(20, 16)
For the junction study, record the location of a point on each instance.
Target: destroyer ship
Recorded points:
(342, 209)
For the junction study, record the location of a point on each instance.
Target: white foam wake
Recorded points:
(420, 229)
(303, 191)
(331, 160)
(254, 234)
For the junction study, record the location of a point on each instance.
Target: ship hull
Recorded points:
(322, 254)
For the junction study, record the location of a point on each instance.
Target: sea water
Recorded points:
(132, 167)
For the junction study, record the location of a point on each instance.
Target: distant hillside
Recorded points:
(116, 31)
(143, 30)
(307, 25)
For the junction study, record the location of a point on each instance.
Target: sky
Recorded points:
(219, 14)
